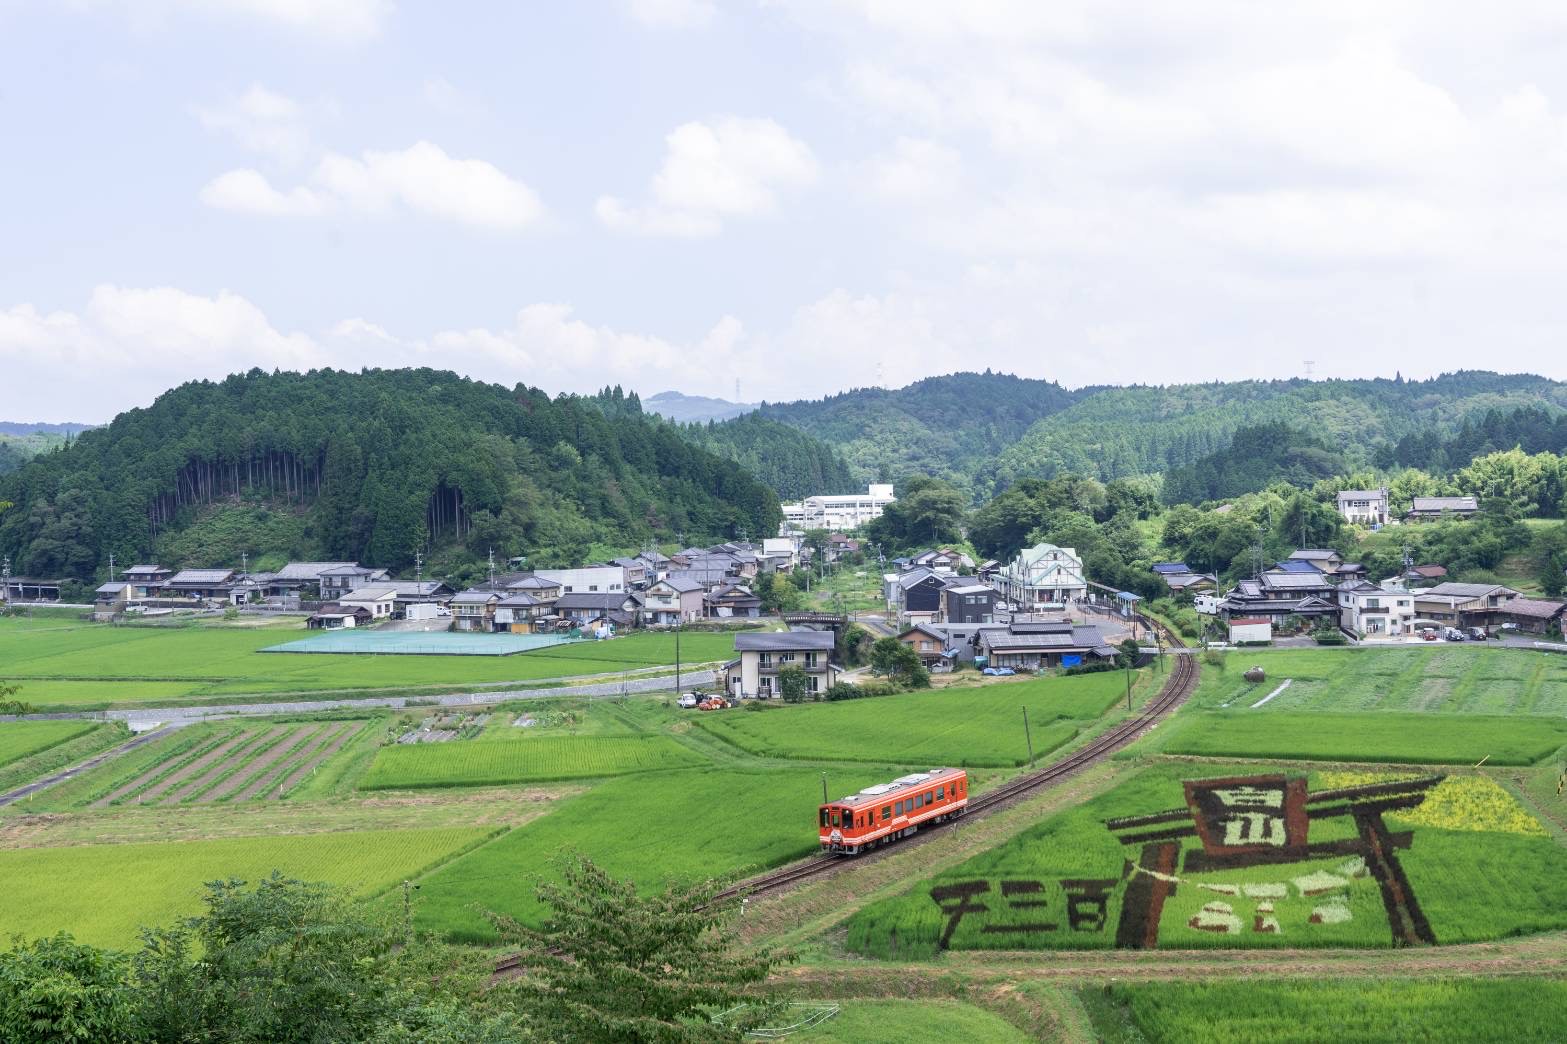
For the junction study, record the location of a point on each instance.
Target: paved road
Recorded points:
(91, 763)
(187, 715)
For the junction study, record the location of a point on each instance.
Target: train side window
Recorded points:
(824, 817)
(900, 808)
(886, 812)
(941, 793)
(919, 800)
(930, 798)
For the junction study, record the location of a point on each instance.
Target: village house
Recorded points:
(413, 595)
(583, 608)
(1182, 579)
(916, 595)
(1425, 509)
(1372, 612)
(144, 581)
(1531, 615)
(1037, 645)
(380, 600)
(1428, 573)
(732, 600)
(599, 579)
(966, 602)
(200, 585)
(636, 571)
(335, 617)
(520, 613)
(1364, 507)
(474, 610)
(929, 642)
(110, 598)
(301, 580)
(675, 600)
(761, 655)
(1041, 575)
(343, 579)
(1249, 599)
(1452, 604)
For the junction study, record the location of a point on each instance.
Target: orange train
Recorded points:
(881, 814)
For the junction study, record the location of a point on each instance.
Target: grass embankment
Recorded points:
(1361, 1011)
(30, 749)
(96, 665)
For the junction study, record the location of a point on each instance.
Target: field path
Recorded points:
(250, 773)
(86, 766)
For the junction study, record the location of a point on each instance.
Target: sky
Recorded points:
(775, 199)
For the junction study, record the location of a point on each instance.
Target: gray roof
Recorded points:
(308, 570)
(916, 576)
(112, 587)
(1457, 590)
(1361, 494)
(473, 596)
(201, 576)
(146, 569)
(519, 600)
(1294, 582)
(682, 584)
(966, 589)
(1536, 608)
(351, 569)
(532, 583)
(604, 601)
(784, 641)
(1313, 554)
(412, 588)
(1444, 504)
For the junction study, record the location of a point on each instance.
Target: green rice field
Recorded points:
(908, 1021)
(59, 663)
(103, 893)
(1476, 877)
(980, 726)
(1457, 678)
(653, 828)
(521, 759)
(1346, 1011)
(1374, 737)
(21, 739)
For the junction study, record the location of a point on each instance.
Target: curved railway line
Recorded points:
(1180, 684)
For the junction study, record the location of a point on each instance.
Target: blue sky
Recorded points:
(802, 195)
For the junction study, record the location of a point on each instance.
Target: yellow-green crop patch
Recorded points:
(979, 726)
(524, 759)
(1233, 857)
(103, 893)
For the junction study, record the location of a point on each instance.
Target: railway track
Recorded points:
(1180, 685)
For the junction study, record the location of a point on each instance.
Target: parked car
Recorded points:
(688, 701)
(1477, 634)
(998, 672)
(1452, 634)
(713, 703)
(1428, 635)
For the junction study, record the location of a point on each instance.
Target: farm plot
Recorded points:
(1346, 1011)
(1451, 679)
(1373, 737)
(1233, 864)
(94, 665)
(901, 1021)
(955, 726)
(652, 828)
(104, 893)
(22, 739)
(522, 759)
(202, 764)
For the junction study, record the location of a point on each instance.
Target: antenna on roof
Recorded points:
(418, 567)
(492, 568)
(111, 566)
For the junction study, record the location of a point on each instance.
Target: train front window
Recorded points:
(824, 817)
(835, 817)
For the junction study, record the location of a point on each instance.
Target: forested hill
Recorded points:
(792, 462)
(951, 427)
(1118, 432)
(370, 466)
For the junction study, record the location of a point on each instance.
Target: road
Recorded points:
(91, 763)
(187, 715)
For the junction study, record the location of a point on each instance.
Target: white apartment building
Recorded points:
(1371, 611)
(1363, 507)
(839, 513)
(603, 579)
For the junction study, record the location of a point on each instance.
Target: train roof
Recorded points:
(914, 781)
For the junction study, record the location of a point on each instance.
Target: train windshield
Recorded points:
(824, 817)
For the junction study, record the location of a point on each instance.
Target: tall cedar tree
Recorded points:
(616, 966)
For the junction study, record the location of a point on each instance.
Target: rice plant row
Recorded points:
(522, 760)
(1382, 736)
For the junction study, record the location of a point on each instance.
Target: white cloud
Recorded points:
(916, 170)
(346, 20)
(263, 121)
(673, 14)
(249, 192)
(733, 167)
(421, 179)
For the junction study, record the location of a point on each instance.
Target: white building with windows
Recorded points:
(1041, 575)
(601, 579)
(1363, 507)
(838, 513)
(1376, 612)
(764, 654)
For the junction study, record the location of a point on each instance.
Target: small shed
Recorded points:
(1244, 629)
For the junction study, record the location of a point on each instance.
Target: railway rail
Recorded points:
(1180, 684)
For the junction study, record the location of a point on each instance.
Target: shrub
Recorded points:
(1329, 637)
(1093, 667)
(1213, 658)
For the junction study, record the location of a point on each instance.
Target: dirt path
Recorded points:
(297, 738)
(337, 744)
(157, 790)
(258, 784)
(260, 739)
(91, 763)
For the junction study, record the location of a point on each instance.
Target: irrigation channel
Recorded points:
(1180, 685)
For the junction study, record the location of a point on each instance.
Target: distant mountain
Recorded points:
(42, 428)
(952, 426)
(689, 409)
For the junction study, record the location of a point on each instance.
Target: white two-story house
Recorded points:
(1375, 612)
(763, 654)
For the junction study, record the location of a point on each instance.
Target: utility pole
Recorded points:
(244, 562)
(418, 567)
(111, 566)
(492, 569)
(678, 628)
(824, 788)
(1128, 689)
(1029, 736)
